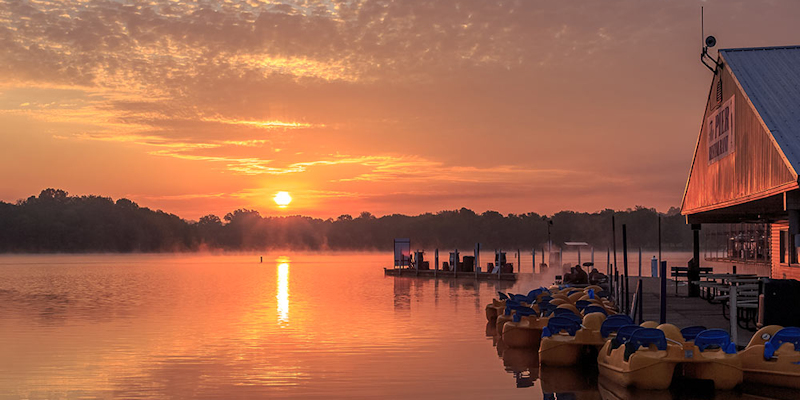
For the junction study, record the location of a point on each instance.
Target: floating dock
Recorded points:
(430, 273)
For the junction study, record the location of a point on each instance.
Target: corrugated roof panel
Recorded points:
(771, 78)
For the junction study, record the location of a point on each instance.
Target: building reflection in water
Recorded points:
(283, 289)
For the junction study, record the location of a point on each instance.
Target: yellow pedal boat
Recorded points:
(565, 342)
(646, 359)
(773, 357)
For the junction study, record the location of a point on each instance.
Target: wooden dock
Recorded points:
(431, 273)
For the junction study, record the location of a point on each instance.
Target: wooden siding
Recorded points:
(754, 170)
(781, 270)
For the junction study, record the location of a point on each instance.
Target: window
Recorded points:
(783, 235)
(743, 243)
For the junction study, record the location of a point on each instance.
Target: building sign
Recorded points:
(719, 131)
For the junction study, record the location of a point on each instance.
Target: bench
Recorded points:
(683, 272)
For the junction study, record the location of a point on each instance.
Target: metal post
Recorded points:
(519, 262)
(734, 314)
(663, 293)
(579, 255)
(625, 265)
(593, 257)
(608, 261)
(533, 261)
(436, 270)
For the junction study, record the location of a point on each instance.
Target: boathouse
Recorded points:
(742, 190)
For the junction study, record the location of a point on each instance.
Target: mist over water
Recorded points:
(298, 325)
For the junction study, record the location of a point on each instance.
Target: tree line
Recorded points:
(53, 221)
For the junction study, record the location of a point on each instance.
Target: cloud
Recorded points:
(354, 96)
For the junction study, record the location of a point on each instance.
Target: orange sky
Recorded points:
(381, 106)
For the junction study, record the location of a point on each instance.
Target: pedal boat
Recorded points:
(524, 330)
(563, 345)
(645, 358)
(773, 357)
(494, 309)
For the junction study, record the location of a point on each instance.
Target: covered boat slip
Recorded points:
(745, 164)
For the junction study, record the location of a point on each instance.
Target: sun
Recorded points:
(282, 199)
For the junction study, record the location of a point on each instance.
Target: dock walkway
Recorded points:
(682, 310)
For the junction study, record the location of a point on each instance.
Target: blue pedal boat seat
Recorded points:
(711, 338)
(644, 337)
(613, 323)
(562, 311)
(558, 324)
(523, 312)
(690, 332)
(594, 309)
(786, 335)
(623, 335)
(547, 308)
(581, 304)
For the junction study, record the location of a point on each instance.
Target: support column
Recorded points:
(693, 273)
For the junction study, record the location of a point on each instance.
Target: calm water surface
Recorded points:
(297, 325)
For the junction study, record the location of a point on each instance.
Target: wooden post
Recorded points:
(659, 242)
(436, 271)
(543, 259)
(693, 272)
(663, 293)
(455, 264)
(475, 261)
(625, 265)
(734, 314)
(640, 262)
(478, 256)
(614, 243)
(641, 304)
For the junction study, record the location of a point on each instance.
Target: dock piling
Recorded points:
(640, 262)
(475, 260)
(625, 282)
(734, 314)
(663, 293)
(436, 263)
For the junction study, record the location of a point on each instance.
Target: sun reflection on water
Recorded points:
(283, 290)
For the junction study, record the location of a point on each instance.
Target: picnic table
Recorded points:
(744, 302)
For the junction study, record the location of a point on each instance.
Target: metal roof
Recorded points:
(770, 76)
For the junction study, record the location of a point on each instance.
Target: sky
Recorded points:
(199, 107)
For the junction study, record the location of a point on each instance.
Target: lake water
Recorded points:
(298, 325)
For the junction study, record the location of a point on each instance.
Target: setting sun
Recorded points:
(282, 199)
